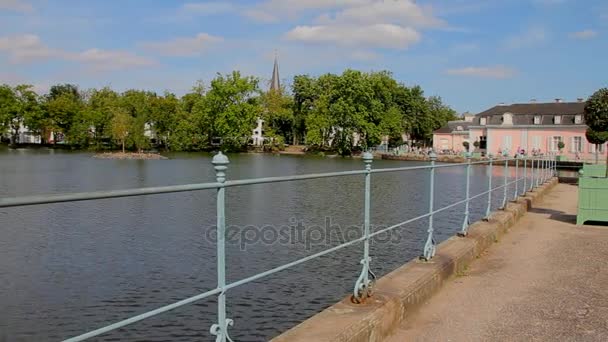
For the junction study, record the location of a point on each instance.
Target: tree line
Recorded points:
(354, 110)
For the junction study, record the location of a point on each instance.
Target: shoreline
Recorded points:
(129, 156)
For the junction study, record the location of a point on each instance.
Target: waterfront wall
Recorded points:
(401, 292)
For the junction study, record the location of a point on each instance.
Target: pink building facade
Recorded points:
(535, 128)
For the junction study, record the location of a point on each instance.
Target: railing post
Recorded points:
(489, 208)
(220, 164)
(532, 175)
(364, 285)
(546, 169)
(525, 189)
(506, 174)
(466, 222)
(429, 246)
(516, 193)
(538, 172)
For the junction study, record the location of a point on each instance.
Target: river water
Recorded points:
(69, 268)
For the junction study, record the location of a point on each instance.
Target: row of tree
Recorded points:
(329, 112)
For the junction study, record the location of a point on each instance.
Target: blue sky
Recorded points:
(472, 53)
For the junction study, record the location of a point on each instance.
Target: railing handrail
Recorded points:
(545, 169)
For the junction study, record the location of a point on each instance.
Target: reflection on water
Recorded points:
(69, 268)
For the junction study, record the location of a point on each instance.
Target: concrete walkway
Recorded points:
(546, 280)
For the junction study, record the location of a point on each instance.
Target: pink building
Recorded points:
(534, 127)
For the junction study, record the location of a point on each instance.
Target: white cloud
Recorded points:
(499, 71)
(275, 10)
(183, 46)
(16, 5)
(363, 24)
(398, 12)
(529, 38)
(377, 35)
(26, 48)
(206, 8)
(585, 34)
(29, 48)
(100, 60)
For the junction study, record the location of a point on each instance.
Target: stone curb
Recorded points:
(401, 292)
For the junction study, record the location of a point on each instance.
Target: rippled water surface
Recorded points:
(69, 268)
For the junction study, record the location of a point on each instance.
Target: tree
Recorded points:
(100, 106)
(596, 138)
(596, 117)
(228, 110)
(9, 109)
(278, 114)
(121, 123)
(60, 111)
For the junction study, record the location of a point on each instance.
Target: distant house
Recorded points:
(452, 136)
(533, 127)
(24, 136)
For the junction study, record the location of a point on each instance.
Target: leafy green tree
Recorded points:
(138, 104)
(596, 138)
(596, 117)
(278, 115)
(58, 90)
(19, 107)
(164, 116)
(229, 110)
(305, 93)
(62, 105)
(9, 108)
(100, 106)
(121, 123)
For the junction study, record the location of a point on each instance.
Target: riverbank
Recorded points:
(130, 156)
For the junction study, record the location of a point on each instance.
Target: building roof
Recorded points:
(453, 127)
(524, 113)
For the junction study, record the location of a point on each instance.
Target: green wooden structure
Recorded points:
(592, 194)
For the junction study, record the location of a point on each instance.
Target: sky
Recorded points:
(473, 53)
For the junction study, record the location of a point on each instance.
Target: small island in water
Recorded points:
(129, 155)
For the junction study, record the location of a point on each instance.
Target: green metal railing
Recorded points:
(540, 171)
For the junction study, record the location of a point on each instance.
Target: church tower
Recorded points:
(275, 82)
(275, 85)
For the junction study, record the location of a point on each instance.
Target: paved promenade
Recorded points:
(546, 280)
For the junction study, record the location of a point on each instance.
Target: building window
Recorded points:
(557, 120)
(536, 142)
(482, 121)
(593, 146)
(554, 142)
(506, 143)
(578, 119)
(577, 144)
(459, 128)
(537, 120)
(507, 119)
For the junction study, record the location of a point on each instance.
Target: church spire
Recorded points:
(275, 83)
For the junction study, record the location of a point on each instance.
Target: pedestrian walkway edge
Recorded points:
(401, 292)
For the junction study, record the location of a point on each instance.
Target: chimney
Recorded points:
(580, 99)
(558, 100)
(533, 101)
